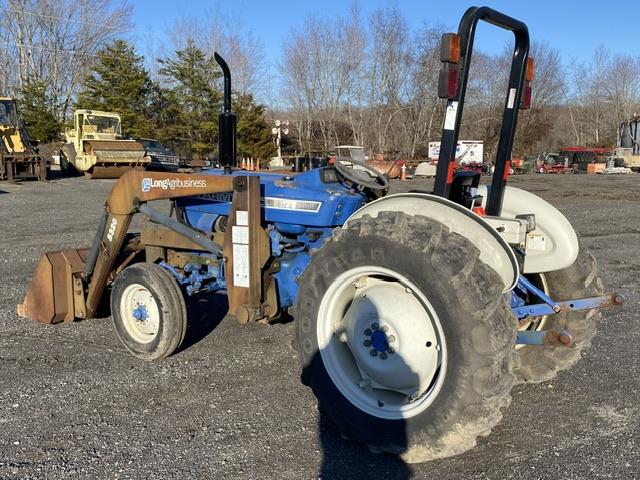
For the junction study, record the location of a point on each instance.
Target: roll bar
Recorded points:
(455, 103)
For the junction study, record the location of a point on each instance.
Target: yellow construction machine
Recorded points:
(18, 157)
(95, 146)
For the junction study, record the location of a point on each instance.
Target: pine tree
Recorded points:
(192, 99)
(119, 83)
(36, 109)
(254, 134)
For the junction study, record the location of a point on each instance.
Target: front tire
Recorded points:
(450, 371)
(149, 311)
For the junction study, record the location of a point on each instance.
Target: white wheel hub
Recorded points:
(139, 312)
(381, 342)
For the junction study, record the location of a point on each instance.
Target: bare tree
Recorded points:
(588, 97)
(227, 35)
(422, 119)
(375, 85)
(622, 88)
(54, 41)
(390, 60)
(319, 65)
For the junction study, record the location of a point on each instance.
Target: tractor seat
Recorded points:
(464, 189)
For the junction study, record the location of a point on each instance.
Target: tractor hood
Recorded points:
(311, 199)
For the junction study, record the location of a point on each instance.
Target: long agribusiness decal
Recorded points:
(171, 183)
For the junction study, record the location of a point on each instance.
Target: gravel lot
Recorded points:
(73, 404)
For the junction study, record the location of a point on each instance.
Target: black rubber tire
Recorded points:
(580, 280)
(171, 305)
(478, 326)
(67, 156)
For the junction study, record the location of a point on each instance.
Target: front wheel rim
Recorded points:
(381, 342)
(140, 313)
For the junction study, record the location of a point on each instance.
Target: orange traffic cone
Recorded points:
(257, 165)
(243, 166)
(403, 173)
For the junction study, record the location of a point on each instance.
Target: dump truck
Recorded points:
(415, 314)
(19, 159)
(95, 146)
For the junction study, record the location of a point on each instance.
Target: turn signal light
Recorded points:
(450, 48)
(530, 70)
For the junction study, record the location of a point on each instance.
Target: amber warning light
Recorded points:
(450, 48)
(529, 72)
(449, 56)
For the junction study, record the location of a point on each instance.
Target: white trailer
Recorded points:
(467, 151)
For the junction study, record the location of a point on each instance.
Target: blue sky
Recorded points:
(575, 27)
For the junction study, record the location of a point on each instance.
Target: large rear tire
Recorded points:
(404, 336)
(149, 311)
(580, 280)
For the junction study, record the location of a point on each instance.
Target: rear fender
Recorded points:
(494, 251)
(553, 245)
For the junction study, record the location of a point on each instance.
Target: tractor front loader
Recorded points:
(411, 311)
(69, 284)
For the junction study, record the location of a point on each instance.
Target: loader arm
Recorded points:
(61, 279)
(130, 191)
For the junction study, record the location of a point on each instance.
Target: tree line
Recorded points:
(360, 79)
(60, 55)
(373, 81)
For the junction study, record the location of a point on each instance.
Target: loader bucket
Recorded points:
(56, 293)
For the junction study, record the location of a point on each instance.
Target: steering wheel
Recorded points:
(364, 176)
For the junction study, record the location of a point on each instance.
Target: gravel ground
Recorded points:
(73, 404)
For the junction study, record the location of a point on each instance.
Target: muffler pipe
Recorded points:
(226, 122)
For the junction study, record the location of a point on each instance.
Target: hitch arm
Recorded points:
(538, 310)
(563, 337)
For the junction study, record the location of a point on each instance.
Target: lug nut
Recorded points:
(391, 339)
(373, 353)
(384, 328)
(367, 343)
(374, 326)
(367, 332)
(383, 356)
(391, 350)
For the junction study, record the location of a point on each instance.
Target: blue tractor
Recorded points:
(415, 313)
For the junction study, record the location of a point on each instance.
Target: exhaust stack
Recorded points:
(226, 122)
